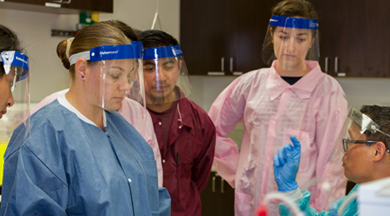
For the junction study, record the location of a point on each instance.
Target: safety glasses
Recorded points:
(348, 143)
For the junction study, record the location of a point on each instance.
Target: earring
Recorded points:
(82, 77)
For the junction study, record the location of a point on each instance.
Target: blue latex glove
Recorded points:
(286, 165)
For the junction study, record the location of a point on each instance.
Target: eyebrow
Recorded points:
(119, 68)
(148, 63)
(169, 62)
(304, 33)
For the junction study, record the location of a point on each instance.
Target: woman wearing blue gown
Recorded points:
(81, 156)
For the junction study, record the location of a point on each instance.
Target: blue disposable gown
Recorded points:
(350, 209)
(70, 167)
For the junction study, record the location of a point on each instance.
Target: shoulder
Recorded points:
(253, 76)
(197, 113)
(330, 83)
(242, 84)
(43, 126)
(47, 100)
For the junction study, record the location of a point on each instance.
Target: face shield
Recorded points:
(290, 41)
(165, 74)
(354, 132)
(115, 74)
(15, 65)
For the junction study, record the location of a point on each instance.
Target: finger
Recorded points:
(276, 161)
(281, 156)
(296, 151)
(289, 156)
(295, 142)
(288, 147)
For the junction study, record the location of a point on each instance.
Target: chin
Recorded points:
(112, 107)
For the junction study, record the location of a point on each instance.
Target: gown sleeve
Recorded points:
(30, 188)
(203, 163)
(330, 121)
(226, 111)
(303, 203)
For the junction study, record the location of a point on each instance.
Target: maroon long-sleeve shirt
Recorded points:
(186, 137)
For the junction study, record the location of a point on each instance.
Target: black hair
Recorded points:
(8, 42)
(157, 38)
(381, 116)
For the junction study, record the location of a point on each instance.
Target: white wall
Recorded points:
(34, 29)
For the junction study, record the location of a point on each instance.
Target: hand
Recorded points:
(286, 165)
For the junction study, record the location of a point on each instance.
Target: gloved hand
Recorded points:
(286, 165)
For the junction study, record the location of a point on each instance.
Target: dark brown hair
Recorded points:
(291, 8)
(126, 29)
(9, 41)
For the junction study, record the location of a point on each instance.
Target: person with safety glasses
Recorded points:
(82, 157)
(362, 146)
(291, 97)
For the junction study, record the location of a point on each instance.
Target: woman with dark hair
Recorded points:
(13, 67)
(292, 97)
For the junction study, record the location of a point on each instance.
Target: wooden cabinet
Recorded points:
(59, 6)
(217, 198)
(353, 34)
(354, 37)
(223, 35)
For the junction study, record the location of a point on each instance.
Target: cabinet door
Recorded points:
(89, 5)
(210, 197)
(357, 33)
(214, 33)
(248, 25)
(218, 197)
(203, 35)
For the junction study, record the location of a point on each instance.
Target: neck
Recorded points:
(79, 100)
(380, 170)
(298, 71)
(159, 107)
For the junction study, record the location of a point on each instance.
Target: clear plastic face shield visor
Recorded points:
(354, 132)
(165, 74)
(15, 65)
(115, 74)
(290, 41)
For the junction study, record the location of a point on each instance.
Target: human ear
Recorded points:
(379, 151)
(81, 68)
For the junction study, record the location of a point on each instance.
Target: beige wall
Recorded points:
(34, 29)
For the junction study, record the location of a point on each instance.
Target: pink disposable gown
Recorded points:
(136, 115)
(271, 110)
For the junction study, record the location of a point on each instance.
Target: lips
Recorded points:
(119, 98)
(2, 113)
(289, 56)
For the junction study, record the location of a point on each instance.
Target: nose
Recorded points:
(160, 75)
(10, 101)
(125, 86)
(290, 46)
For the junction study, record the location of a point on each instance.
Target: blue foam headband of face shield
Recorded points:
(14, 58)
(292, 22)
(110, 52)
(162, 52)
